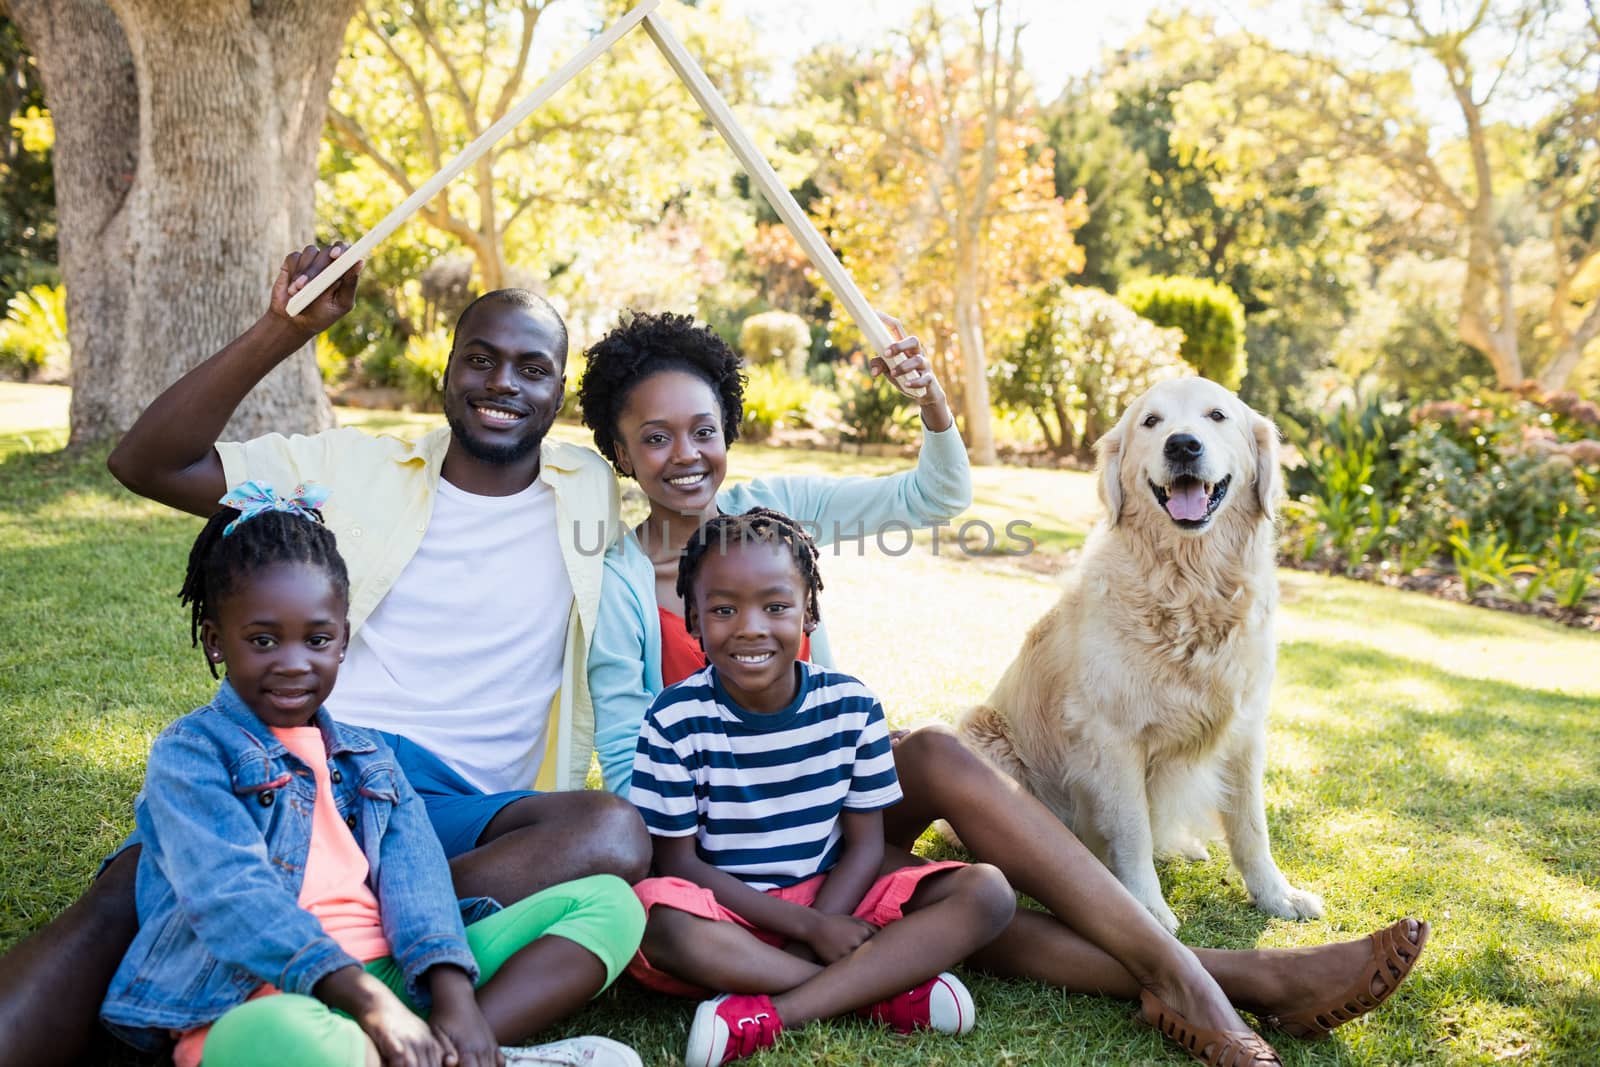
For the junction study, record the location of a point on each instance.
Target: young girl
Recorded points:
(286, 854)
(762, 780)
(663, 396)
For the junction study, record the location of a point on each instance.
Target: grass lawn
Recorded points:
(1426, 758)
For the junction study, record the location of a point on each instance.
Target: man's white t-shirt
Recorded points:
(463, 656)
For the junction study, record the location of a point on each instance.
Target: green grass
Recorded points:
(1425, 758)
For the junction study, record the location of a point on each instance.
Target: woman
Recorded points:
(664, 398)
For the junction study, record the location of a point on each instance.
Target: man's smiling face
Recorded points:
(504, 384)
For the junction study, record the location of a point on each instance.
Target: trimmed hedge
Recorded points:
(1210, 316)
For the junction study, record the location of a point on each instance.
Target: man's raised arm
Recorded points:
(170, 453)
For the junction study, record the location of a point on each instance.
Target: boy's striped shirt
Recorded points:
(763, 794)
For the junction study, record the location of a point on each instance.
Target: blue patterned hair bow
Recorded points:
(257, 498)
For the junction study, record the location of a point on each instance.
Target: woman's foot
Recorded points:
(1216, 1048)
(1193, 993)
(1325, 987)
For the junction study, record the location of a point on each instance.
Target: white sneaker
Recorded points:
(574, 1052)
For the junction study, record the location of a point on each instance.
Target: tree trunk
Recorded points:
(89, 84)
(1068, 441)
(974, 365)
(186, 146)
(232, 96)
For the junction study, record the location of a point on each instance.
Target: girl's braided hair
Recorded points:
(756, 526)
(643, 344)
(218, 561)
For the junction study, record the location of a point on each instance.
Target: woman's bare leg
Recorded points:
(1263, 981)
(1002, 824)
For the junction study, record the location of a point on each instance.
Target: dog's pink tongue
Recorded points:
(1189, 503)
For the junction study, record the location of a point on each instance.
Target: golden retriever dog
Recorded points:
(1137, 707)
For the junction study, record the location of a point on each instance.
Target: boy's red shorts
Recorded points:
(883, 904)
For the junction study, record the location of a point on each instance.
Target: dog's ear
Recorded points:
(1265, 446)
(1109, 451)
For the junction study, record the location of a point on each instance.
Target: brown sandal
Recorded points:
(1393, 956)
(1217, 1048)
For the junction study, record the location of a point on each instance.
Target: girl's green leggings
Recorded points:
(600, 913)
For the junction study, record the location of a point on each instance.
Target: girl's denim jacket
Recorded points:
(225, 820)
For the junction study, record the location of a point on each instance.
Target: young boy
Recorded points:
(762, 780)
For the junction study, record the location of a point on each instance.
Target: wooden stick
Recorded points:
(766, 179)
(525, 107)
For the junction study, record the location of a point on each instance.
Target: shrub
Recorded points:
(776, 337)
(1084, 357)
(1342, 506)
(332, 364)
(1210, 316)
(774, 399)
(426, 356)
(1507, 464)
(33, 335)
(873, 411)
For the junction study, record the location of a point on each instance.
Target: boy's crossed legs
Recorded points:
(953, 911)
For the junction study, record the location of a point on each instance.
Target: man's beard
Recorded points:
(501, 455)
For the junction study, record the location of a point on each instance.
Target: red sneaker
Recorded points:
(941, 1003)
(731, 1027)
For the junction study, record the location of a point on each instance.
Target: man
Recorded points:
(471, 609)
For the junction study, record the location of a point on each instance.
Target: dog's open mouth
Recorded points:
(1189, 501)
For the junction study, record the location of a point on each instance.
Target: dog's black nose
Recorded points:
(1182, 447)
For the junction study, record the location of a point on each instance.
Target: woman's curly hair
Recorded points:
(643, 344)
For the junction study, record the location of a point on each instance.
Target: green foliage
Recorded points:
(574, 374)
(27, 179)
(427, 355)
(1175, 192)
(1084, 356)
(873, 411)
(1096, 155)
(1483, 561)
(1509, 482)
(371, 337)
(332, 364)
(1405, 331)
(1517, 465)
(33, 336)
(776, 337)
(1342, 493)
(1210, 316)
(774, 399)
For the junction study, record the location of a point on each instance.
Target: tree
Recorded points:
(27, 199)
(1288, 239)
(1499, 184)
(186, 139)
(941, 195)
(1085, 357)
(423, 79)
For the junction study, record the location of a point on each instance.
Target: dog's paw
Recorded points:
(1157, 906)
(1188, 848)
(948, 832)
(1164, 915)
(1290, 903)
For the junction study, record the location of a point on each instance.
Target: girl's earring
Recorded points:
(341, 657)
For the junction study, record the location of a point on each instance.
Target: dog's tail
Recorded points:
(985, 731)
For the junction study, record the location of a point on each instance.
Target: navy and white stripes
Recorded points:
(763, 794)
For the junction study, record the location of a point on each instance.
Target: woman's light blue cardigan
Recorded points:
(625, 657)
